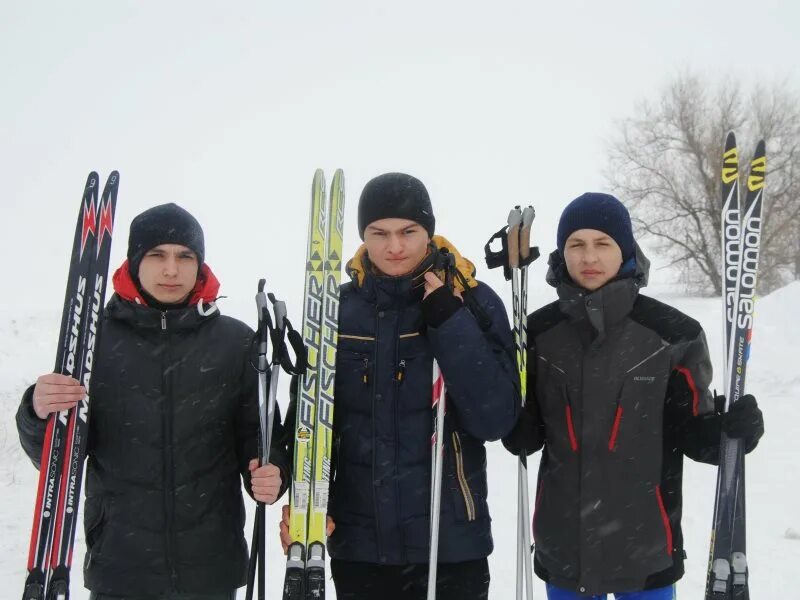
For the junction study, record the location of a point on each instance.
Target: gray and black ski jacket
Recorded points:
(617, 395)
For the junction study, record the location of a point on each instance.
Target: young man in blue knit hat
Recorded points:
(617, 396)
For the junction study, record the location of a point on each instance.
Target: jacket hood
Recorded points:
(359, 267)
(205, 290)
(605, 306)
(638, 270)
(386, 291)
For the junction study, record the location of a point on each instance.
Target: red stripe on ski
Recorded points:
(43, 476)
(55, 551)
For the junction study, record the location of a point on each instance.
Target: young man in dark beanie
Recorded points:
(395, 317)
(617, 396)
(173, 426)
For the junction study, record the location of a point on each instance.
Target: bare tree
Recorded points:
(665, 165)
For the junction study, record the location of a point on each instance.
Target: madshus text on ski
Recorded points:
(400, 376)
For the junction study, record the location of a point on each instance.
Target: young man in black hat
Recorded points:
(617, 396)
(395, 317)
(173, 426)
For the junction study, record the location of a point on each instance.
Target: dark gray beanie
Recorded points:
(163, 224)
(395, 196)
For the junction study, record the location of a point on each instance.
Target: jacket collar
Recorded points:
(388, 292)
(604, 307)
(127, 304)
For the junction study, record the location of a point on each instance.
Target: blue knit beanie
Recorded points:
(602, 212)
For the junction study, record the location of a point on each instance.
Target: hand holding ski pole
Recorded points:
(284, 528)
(265, 481)
(55, 392)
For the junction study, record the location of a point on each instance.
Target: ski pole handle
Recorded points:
(512, 235)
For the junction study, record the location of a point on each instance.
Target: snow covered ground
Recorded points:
(27, 337)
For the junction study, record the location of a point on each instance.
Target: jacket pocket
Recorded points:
(554, 402)
(354, 380)
(463, 484)
(465, 477)
(94, 519)
(665, 519)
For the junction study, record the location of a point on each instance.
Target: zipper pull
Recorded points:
(365, 372)
(163, 321)
(401, 371)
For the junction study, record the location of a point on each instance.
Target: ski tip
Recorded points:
(761, 149)
(113, 180)
(92, 179)
(337, 183)
(730, 163)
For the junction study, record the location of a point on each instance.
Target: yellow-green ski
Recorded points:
(307, 387)
(323, 426)
(313, 442)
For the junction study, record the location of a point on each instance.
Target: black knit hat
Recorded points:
(602, 212)
(395, 196)
(163, 224)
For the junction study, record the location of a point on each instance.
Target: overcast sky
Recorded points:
(227, 109)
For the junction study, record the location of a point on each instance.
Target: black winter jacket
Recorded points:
(380, 492)
(173, 425)
(617, 395)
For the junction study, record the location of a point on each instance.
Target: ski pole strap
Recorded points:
(515, 250)
(300, 351)
(498, 258)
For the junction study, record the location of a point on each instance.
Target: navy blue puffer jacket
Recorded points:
(380, 493)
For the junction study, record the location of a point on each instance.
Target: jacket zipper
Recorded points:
(365, 371)
(401, 372)
(462, 480)
(375, 502)
(169, 483)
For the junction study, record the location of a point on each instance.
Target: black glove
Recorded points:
(745, 421)
(528, 434)
(440, 305)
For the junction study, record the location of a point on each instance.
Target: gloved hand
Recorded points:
(745, 421)
(528, 434)
(439, 303)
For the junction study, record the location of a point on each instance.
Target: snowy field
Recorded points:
(27, 349)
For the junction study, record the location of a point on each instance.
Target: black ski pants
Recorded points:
(368, 581)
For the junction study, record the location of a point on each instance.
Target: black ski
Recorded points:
(741, 239)
(61, 470)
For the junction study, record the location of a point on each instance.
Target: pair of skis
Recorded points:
(515, 257)
(741, 238)
(313, 436)
(61, 469)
